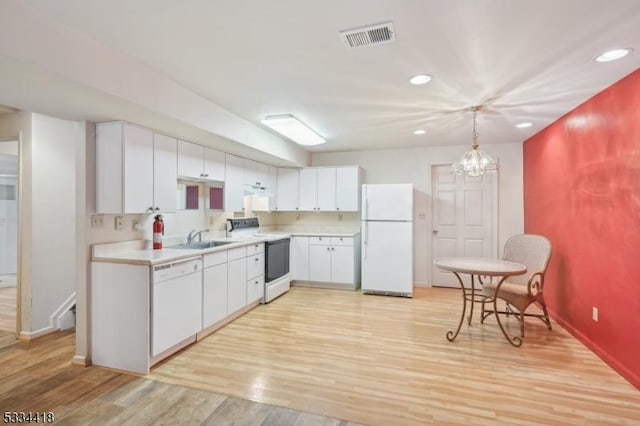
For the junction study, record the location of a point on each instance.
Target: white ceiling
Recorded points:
(525, 60)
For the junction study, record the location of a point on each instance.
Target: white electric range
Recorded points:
(277, 276)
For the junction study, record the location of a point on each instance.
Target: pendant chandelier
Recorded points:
(475, 162)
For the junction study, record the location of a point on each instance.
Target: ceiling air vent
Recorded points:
(369, 35)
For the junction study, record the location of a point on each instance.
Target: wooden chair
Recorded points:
(520, 291)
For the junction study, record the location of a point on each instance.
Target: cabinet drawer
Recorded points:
(212, 259)
(341, 241)
(255, 265)
(319, 241)
(237, 253)
(255, 249)
(255, 289)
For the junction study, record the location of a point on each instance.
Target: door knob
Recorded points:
(435, 232)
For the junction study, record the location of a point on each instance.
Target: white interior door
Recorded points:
(463, 219)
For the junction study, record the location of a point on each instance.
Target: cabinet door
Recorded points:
(234, 184)
(320, 263)
(237, 285)
(262, 172)
(288, 186)
(348, 189)
(272, 179)
(109, 168)
(214, 164)
(255, 289)
(342, 264)
(190, 159)
(250, 172)
(327, 188)
(308, 189)
(214, 295)
(138, 169)
(299, 258)
(176, 311)
(165, 173)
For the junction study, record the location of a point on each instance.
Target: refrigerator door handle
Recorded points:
(366, 238)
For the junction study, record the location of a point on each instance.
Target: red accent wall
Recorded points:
(582, 190)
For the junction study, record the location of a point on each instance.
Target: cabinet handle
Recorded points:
(337, 208)
(256, 282)
(257, 259)
(150, 209)
(328, 248)
(157, 209)
(340, 238)
(320, 238)
(256, 246)
(333, 249)
(296, 208)
(201, 174)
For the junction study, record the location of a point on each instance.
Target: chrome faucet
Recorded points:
(193, 234)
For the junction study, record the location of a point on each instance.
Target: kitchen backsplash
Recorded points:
(180, 223)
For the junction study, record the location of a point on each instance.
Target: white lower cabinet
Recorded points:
(214, 294)
(237, 285)
(255, 289)
(299, 258)
(326, 259)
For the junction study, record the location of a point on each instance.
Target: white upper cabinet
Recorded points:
(255, 173)
(287, 189)
(308, 198)
(135, 170)
(348, 182)
(138, 170)
(214, 164)
(272, 179)
(165, 173)
(190, 160)
(326, 189)
(318, 189)
(198, 162)
(234, 184)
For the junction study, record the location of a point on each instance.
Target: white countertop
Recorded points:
(136, 253)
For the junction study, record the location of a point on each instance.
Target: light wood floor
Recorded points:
(384, 361)
(8, 309)
(38, 377)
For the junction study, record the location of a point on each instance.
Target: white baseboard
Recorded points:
(30, 335)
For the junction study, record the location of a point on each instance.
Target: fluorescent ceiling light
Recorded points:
(420, 132)
(420, 79)
(288, 126)
(524, 125)
(614, 54)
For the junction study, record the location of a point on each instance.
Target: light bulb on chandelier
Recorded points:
(475, 162)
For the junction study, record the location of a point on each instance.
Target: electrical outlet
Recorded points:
(119, 223)
(594, 314)
(97, 220)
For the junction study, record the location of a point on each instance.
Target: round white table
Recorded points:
(480, 267)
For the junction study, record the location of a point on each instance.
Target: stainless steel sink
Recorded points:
(200, 245)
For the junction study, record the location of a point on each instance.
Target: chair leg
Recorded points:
(522, 324)
(546, 315)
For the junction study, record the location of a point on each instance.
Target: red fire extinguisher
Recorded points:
(158, 232)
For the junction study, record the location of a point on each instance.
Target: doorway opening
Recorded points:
(8, 241)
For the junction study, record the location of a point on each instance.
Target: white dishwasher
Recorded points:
(176, 311)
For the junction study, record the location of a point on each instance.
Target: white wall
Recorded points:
(52, 246)
(413, 165)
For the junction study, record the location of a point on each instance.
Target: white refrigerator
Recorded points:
(387, 239)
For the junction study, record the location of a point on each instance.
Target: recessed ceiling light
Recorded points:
(614, 54)
(419, 132)
(420, 79)
(523, 125)
(290, 127)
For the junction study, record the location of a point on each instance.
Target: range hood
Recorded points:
(257, 198)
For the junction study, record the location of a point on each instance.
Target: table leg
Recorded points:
(515, 340)
(473, 299)
(451, 336)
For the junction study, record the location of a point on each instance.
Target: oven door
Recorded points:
(276, 261)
